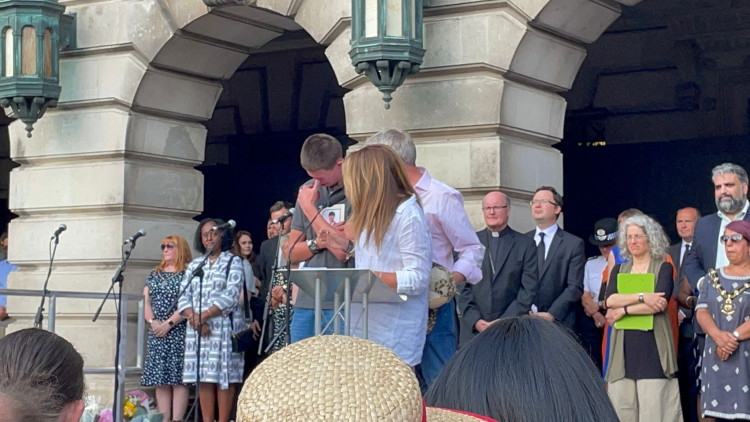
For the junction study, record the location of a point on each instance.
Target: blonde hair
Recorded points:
(375, 182)
(183, 253)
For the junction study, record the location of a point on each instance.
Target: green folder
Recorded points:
(635, 283)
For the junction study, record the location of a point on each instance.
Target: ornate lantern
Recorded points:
(31, 35)
(387, 40)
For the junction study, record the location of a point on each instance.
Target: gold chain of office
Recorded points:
(728, 307)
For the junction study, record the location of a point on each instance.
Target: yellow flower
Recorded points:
(130, 409)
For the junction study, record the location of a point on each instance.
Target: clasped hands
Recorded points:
(198, 322)
(726, 344)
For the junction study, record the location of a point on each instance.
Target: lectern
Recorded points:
(338, 288)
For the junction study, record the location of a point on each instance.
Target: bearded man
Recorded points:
(730, 192)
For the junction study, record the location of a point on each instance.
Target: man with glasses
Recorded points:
(509, 272)
(560, 259)
(706, 252)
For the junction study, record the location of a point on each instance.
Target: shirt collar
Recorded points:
(423, 184)
(739, 216)
(549, 232)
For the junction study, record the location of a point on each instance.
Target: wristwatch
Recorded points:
(171, 324)
(736, 335)
(640, 297)
(151, 321)
(313, 246)
(349, 250)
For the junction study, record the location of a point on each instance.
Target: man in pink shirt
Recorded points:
(450, 231)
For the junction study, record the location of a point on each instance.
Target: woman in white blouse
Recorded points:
(390, 237)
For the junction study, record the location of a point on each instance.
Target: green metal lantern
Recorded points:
(31, 34)
(387, 41)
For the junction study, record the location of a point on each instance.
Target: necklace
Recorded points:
(728, 307)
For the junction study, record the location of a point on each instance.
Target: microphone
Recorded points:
(134, 237)
(59, 230)
(283, 217)
(228, 225)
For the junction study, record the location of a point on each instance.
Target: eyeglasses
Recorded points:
(167, 246)
(541, 201)
(210, 235)
(635, 237)
(734, 238)
(494, 209)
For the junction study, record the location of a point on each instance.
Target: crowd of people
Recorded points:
(645, 331)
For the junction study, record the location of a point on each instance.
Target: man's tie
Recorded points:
(540, 251)
(687, 249)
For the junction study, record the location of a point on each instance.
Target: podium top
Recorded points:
(332, 280)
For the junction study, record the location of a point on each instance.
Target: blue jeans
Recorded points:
(439, 347)
(303, 323)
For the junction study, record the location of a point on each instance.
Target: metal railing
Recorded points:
(120, 370)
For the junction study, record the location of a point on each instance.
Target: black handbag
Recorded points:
(243, 340)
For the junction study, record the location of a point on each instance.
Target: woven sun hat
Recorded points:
(335, 379)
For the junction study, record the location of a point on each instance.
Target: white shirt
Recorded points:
(721, 254)
(407, 251)
(592, 276)
(450, 228)
(549, 234)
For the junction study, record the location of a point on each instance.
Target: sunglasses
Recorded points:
(167, 246)
(734, 238)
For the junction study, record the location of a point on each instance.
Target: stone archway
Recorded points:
(118, 154)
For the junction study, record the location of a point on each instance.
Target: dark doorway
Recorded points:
(281, 94)
(662, 97)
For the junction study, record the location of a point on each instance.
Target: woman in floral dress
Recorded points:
(166, 336)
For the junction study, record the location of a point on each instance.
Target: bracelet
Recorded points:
(626, 310)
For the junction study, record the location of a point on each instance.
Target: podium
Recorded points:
(338, 288)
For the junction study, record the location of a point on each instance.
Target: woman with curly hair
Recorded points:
(642, 363)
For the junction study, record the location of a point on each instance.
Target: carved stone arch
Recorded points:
(547, 61)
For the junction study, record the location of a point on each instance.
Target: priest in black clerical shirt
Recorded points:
(509, 270)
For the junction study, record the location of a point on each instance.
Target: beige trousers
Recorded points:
(649, 400)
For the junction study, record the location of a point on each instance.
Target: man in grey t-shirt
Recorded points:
(322, 158)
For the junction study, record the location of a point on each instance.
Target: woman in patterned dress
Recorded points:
(210, 303)
(723, 311)
(166, 336)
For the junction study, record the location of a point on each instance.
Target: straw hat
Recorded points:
(337, 378)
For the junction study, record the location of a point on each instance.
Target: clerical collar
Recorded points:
(501, 233)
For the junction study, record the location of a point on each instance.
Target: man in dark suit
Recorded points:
(509, 272)
(560, 257)
(685, 222)
(730, 194)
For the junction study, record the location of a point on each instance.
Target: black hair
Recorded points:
(226, 240)
(523, 369)
(40, 373)
(555, 195)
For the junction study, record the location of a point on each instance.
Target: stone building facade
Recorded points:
(119, 152)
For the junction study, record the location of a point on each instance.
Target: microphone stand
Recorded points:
(38, 318)
(117, 279)
(277, 267)
(287, 313)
